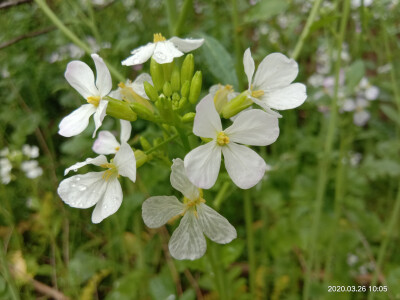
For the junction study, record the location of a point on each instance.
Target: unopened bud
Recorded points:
(185, 89)
(175, 80)
(167, 69)
(145, 143)
(182, 102)
(141, 158)
(189, 117)
(187, 68)
(236, 105)
(150, 91)
(195, 87)
(142, 111)
(157, 74)
(167, 90)
(221, 97)
(120, 110)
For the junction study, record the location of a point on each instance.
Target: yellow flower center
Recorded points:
(111, 172)
(222, 138)
(191, 204)
(256, 94)
(116, 148)
(94, 100)
(158, 38)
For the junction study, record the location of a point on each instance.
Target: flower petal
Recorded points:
(109, 203)
(81, 78)
(187, 241)
(158, 210)
(266, 108)
(244, 166)
(165, 52)
(180, 181)
(126, 128)
(99, 115)
(275, 71)
(254, 127)
(97, 161)
(82, 191)
(215, 227)
(103, 76)
(138, 86)
(207, 122)
(106, 143)
(288, 97)
(360, 118)
(77, 121)
(249, 67)
(186, 45)
(126, 162)
(202, 165)
(139, 55)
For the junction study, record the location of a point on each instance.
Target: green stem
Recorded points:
(306, 29)
(184, 138)
(248, 215)
(221, 195)
(236, 42)
(213, 256)
(76, 40)
(326, 158)
(162, 144)
(182, 16)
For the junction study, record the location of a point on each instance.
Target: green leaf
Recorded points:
(218, 61)
(265, 10)
(391, 113)
(354, 74)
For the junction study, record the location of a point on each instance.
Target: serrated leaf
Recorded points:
(218, 61)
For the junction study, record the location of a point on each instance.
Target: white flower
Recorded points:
(136, 86)
(106, 143)
(359, 107)
(187, 241)
(31, 169)
(4, 152)
(81, 78)
(5, 170)
(244, 166)
(272, 86)
(99, 188)
(30, 151)
(163, 51)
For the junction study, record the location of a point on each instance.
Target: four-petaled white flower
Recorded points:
(272, 86)
(187, 241)
(106, 143)
(244, 166)
(100, 188)
(163, 51)
(81, 78)
(135, 86)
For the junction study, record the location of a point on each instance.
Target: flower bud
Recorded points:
(150, 91)
(221, 97)
(189, 117)
(167, 69)
(185, 89)
(142, 111)
(141, 158)
(187, 68)
(195, 87)
(182, 102)
(175, 80)
(167, 90)
(120, 110)
(236, 105)
(157, 74)
(145, 143)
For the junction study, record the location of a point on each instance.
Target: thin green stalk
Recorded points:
(236, 43)
(184, 138)
(76, 40)
(326, 158)
(182, 16)
(4, 271)
(217, 270)
(248, 215)
(306, 29)
(221, 194)
(162, 144)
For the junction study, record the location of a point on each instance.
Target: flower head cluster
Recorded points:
(187, 241)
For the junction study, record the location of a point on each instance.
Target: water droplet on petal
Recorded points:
(76, 170)
(77, 178)
(82, 188)
(73, 185)
(159, 55)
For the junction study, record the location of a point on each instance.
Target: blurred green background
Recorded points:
(326, 213)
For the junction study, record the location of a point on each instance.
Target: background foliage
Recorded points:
(325, 214)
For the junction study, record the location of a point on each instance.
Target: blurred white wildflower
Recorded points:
(352, 259)
(99, 188)
(163, 51)
(272, 86)
(5, 170)
(244, 166)
(357, 3)
(81, 78)
(31, 169)
(187, 241)
(30, 151)
(4, 152)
